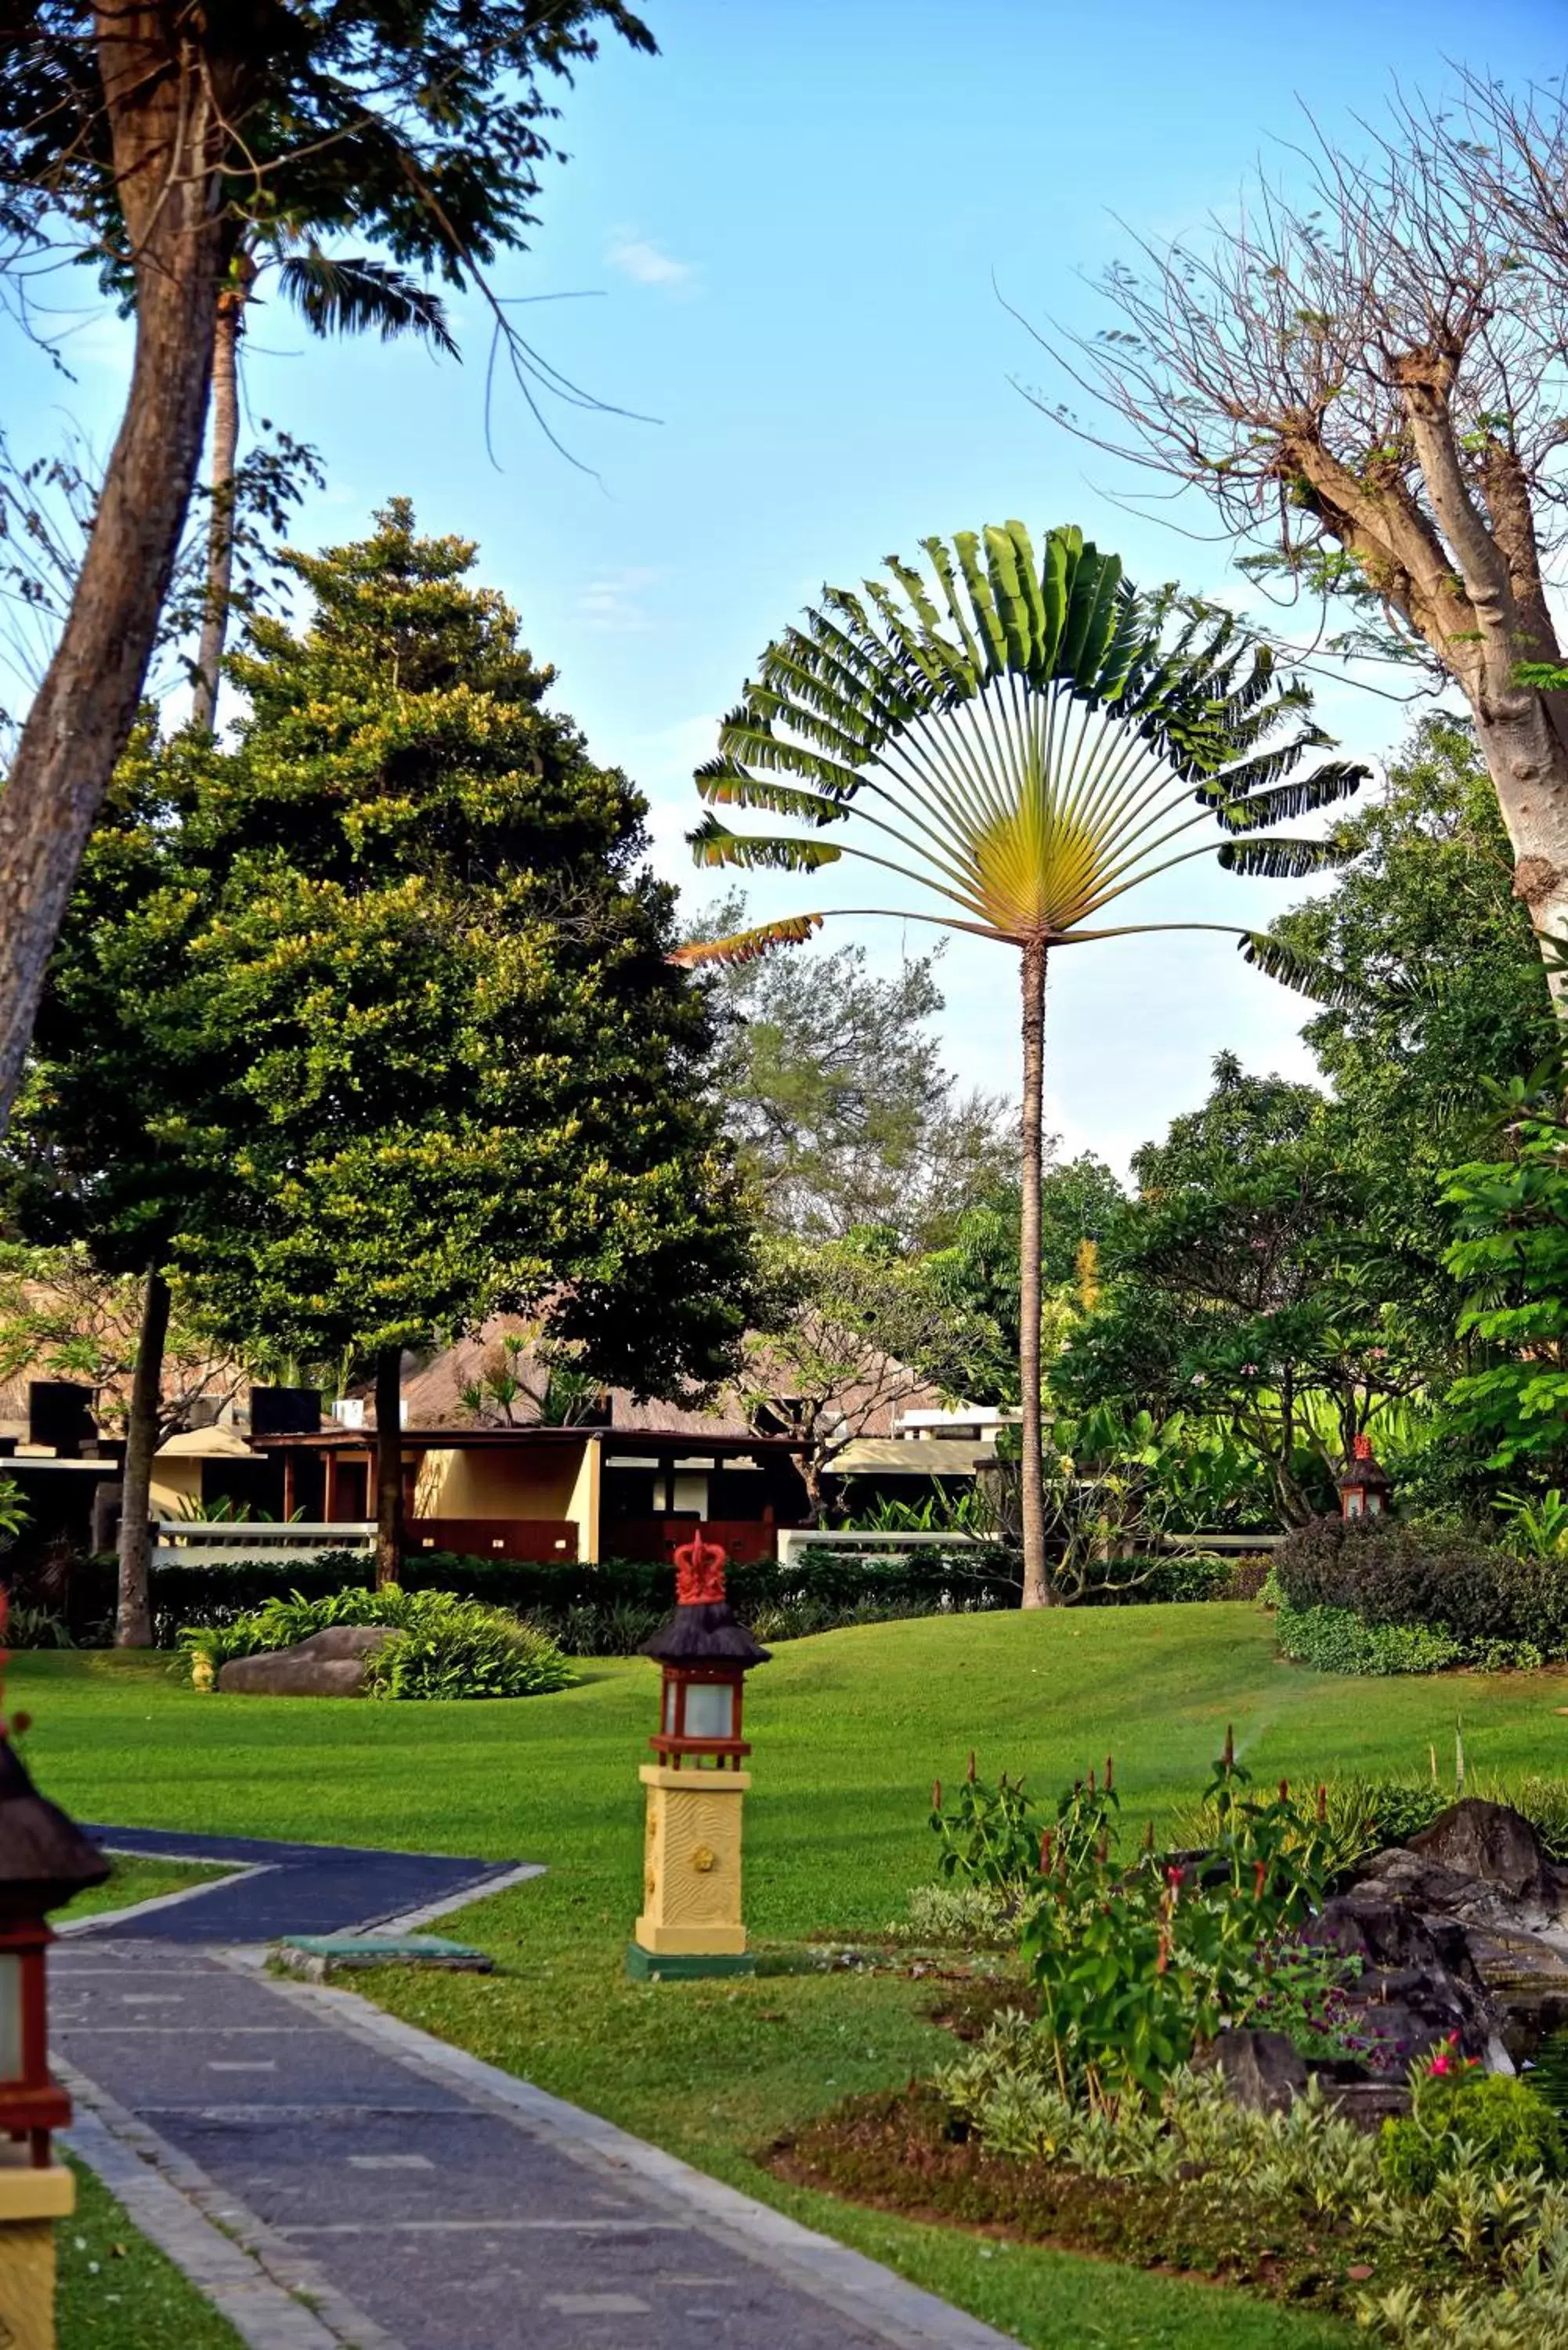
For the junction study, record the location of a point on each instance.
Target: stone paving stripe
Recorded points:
(599, 2304)
(487, 2226)
(263, 2313)
(812, 2264)
(232, 2065)
(390, 2162)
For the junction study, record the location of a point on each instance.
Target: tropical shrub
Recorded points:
(1483, 1603)
(443, 1646)
(1462, 2117)
(451, 1648)
(1474, 2261)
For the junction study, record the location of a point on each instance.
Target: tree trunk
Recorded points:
(388, 1466)
(1037, 1588)
(1529, 768)
(134, 1615)
(220, 580)
(164, 107)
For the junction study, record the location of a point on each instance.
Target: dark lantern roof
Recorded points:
(45, 1858)
(707, 1634)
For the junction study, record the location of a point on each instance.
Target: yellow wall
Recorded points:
(584, 1507)
(174, 1482)
(499, 1485)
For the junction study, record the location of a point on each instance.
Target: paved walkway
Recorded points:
(379, 2189)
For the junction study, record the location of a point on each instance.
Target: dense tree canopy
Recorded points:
(836, 1099)
(416, 936)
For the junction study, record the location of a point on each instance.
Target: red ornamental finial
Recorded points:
(1360, 1448)
(700, 1573)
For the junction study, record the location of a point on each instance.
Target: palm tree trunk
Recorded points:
(388, 1466)
(220, 577)
(134, 1615)
(1037, 1590)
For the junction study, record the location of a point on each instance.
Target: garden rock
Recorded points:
(1261, 2070)
(1495, 1844)
(328, 1664)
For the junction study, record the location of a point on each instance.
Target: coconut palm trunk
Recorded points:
(388, 1466)
(225, 446)
(1037, 1588)
(1024, 740)
(133, 1612)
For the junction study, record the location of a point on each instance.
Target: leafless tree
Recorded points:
(1370, 377)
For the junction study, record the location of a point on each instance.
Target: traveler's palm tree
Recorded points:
(335, 294)
(1026, 740)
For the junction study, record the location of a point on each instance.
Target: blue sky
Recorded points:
(789, 222)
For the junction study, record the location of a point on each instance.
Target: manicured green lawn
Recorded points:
(133, 1879)
(849, 1731)
(116, 2292)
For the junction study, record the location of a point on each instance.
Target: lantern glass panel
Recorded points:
(670, 1703)
(709, 1710)
(1354, 1502)
(12, 2067)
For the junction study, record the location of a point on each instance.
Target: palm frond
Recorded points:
(351, 295)
(1335, 781)
(1281, 859)
(1301, 971)
(713, 843)
(746, 946)
(723, 783)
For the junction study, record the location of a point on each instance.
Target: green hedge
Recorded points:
(1386, 1596)
(608, 1610)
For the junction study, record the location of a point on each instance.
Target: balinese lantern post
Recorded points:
(1365, 1487)
(692, 1922)
(44, 1860)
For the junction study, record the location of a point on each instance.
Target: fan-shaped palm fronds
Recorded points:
(1026, 738)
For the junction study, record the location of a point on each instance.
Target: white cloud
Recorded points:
(612, 604)
(647, 264)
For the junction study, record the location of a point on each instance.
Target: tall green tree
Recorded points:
(1235, 1291)
(146, 139)
(979, 1270)
(1023, 738)
(835, 1093)
(116, 1148)
(464, 1075)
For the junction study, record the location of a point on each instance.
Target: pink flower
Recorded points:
(1439, 2065)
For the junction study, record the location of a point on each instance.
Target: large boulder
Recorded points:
(1493, 1844)
(328, 1664)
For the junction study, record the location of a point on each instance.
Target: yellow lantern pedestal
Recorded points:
(691, 1922)
(31, 2200)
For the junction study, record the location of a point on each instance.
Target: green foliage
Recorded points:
(977, 1272)
(1463, 2119)
(842, 1114)
(443, 1647)
(1231, 1297)
(1135, 1966)
(12, 1508)
(1471, 2262)
(989, 1834)
(458, 1648)
(1336, 1640)
(1537, 1528)
(1511, 1255)
(1385, 1594)
(460, 1071)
